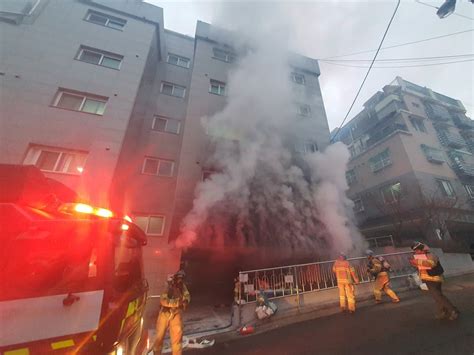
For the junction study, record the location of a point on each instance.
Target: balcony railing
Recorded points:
(450, 139)
(381, 133)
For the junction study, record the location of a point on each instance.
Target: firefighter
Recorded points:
(346, 278)
(378, 267)
(172, 302)
(431, 273)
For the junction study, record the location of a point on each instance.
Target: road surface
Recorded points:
(405, 328)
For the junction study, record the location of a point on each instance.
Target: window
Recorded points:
(173, 89)
(304, 110)
(380, 161)
(96, 56)
(178, 60)
(446, 188)
(352, 150)
(470, 190)
(105, 20)
(223, 55)
(415, 104)
(433, 155)
(217, 87)
(391, 193)
(165, 124)
(298, 78)
(57, 160)
(76, 101)
(418, 124)
(307, 147)
(151, 225)
(161, 167)
(351, 177)
(358, 205)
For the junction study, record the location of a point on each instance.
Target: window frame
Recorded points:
(229, 57)
(178, 59)
(395, 199)
(221, 87)
(442, 184)
(300, 112)
(103, 54)
(418, 125)
(173, 87)
(167, 119)
(109, 19)
(353, 177)
(159, 160)
(84, 96)
(294, 76)
(384, 162)
(470, 190)
(358, 210)
(34, 151)
(149, 216)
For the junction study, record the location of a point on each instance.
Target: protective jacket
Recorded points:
(379, 268)
(172, 303)
(424, 265)
(346, 277)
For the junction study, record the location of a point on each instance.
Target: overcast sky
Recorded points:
(324, 29)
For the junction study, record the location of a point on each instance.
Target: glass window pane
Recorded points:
(97, 19)
(183, 62)
(178, 91)
(151, 166)
(47, 160)
(116, 24)
(64, 162)
(71, 102)
(167, 89)
(111, 62)
(172, 126)
(141, 221)
(214, 89)
(155, 226)
(90, 57)
(160, 124)
(173, 59)
(166, 168)
(94, 106)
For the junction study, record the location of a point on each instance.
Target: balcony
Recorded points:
(381, 133)
(462, 121)
(463, 163)
(464, 168)
(449, 139)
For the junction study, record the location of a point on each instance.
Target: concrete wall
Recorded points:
(40, 59)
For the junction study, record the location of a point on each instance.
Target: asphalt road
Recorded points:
(405, 328)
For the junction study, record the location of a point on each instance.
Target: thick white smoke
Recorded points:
(262, 194)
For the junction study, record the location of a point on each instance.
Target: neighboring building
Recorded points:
(100, 96)
(411, 174)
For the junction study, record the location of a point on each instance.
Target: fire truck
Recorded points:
(71, 274)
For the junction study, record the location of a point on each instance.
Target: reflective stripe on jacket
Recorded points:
(165, 301)
(430, 262)
(345, 273)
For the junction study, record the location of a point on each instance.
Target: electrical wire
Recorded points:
(368, 71)
(401, 66)
(399, 45)
(415, 59)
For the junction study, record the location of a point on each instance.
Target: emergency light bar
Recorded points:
(86, 209)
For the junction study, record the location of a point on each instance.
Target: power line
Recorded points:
(455, 14)
(370, 68)
(400, 45)
(414, 59)
(401, 66)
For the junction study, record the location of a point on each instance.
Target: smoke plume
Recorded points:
(263, 194)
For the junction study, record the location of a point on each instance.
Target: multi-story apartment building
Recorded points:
(101, 97)
(411, 173)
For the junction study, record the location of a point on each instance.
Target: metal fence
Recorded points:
(302, 278)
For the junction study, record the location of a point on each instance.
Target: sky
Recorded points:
(322, 29)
